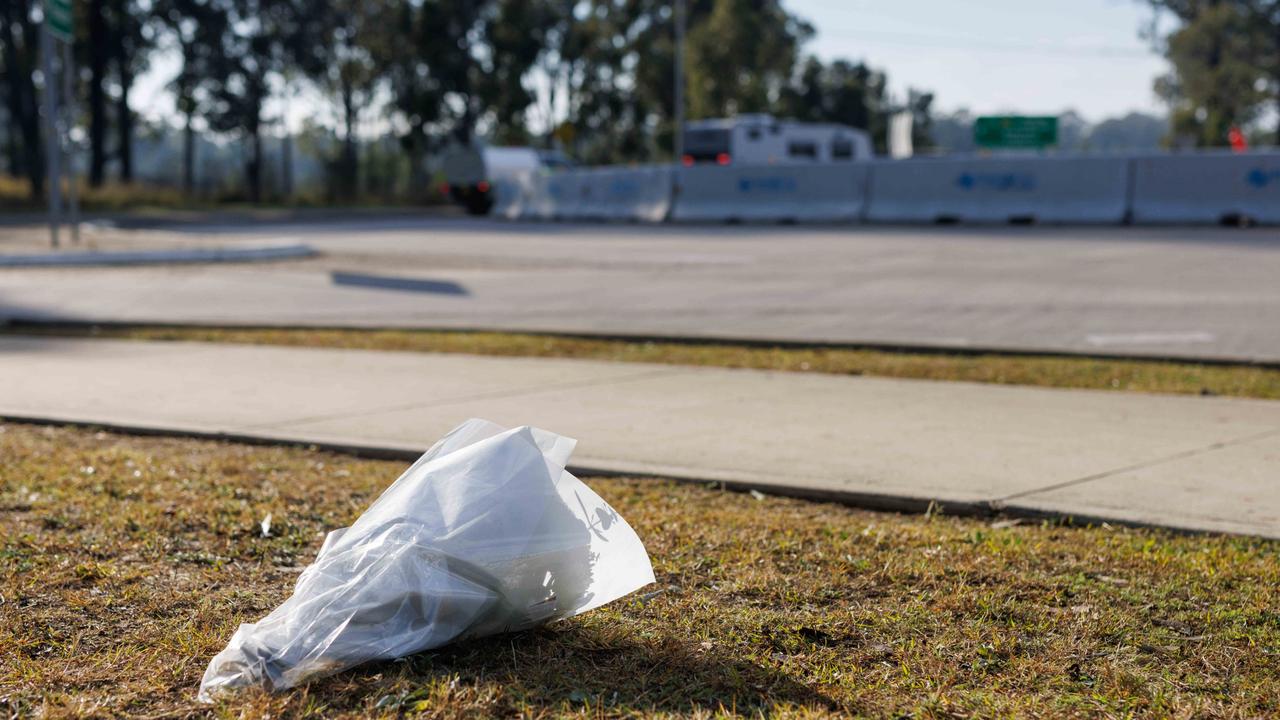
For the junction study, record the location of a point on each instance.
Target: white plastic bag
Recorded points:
(485, 533)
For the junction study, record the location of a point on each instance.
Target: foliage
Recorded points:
(741, 57)
(841, 92)
(1226, 67)
(595, 77)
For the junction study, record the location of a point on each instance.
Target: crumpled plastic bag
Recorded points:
(485, 533)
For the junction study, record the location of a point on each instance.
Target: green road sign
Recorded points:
(57, 13)
(1015, 131)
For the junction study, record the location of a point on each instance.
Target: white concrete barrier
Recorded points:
(509, 195)
(1207, 188)
(777, 193)
(1032, 189)
(640, 194)
(544, 196)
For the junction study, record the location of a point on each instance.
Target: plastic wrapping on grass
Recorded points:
(485, 533)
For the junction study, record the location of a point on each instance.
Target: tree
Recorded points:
(448, 41)
(842, 92)
(19, 36)
(516, 32)
(98, 52)
(1133, 132)
(741, 57)
(131, 37)
(1224, 65)
(262, 40)
(920, 105)
(196, 28)
(358, 37)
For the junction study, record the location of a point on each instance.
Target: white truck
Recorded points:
(473, 174)
(766, 140)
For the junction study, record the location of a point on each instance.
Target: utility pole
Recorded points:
(679, 79)
(53, 150)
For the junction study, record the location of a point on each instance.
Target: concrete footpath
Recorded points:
(1196, 463)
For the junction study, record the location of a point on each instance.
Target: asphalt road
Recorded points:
(1206, 292)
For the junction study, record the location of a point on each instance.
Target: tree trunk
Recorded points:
(286, 166)
(255, 163)
(99, 54)
(14, 19)
(13, 158)
(350, 161)
(124, 123)
(188, 156)
(417, 175)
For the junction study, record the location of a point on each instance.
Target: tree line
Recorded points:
(594, 76)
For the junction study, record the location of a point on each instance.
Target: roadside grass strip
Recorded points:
(127, 562)
(1061, 371)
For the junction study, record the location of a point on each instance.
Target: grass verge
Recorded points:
(127, 562)
(1060, 371)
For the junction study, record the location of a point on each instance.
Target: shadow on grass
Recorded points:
(573, 666)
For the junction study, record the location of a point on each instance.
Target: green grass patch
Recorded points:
(1041, 370)
(127, 562)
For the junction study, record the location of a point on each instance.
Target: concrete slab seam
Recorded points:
(1193, 452)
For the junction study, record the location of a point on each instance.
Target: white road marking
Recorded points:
(1150, 338)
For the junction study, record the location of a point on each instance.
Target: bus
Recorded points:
(766, 140)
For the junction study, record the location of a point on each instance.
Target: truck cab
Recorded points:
(473, 173)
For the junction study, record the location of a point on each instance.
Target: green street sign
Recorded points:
(58, 16)
(1015, 131)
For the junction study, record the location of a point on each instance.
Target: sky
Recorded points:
(986, 56)
(995, 56)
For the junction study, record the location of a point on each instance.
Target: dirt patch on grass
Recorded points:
(127, 562)
(1060, 371)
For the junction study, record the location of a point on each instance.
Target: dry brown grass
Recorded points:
(126, 563)
(1042, 370)
(16, 193)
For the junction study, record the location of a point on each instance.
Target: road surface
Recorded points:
(1207, 292)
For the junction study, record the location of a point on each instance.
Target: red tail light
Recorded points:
(722, 159)
(687, 160)
(444, 188)
(482, 186)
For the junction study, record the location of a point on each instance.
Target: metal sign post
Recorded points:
(52, 150)
(57, 26)
(679, 80)
(69, 122)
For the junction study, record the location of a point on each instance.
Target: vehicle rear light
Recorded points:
(444, 188)
(687, 160)
(722, 159)
(483, 186)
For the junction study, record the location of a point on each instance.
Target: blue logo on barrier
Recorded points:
(773, 183)
(996, 181)
(1260, 178)
(624, 189)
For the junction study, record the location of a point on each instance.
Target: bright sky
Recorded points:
(1028, 56)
